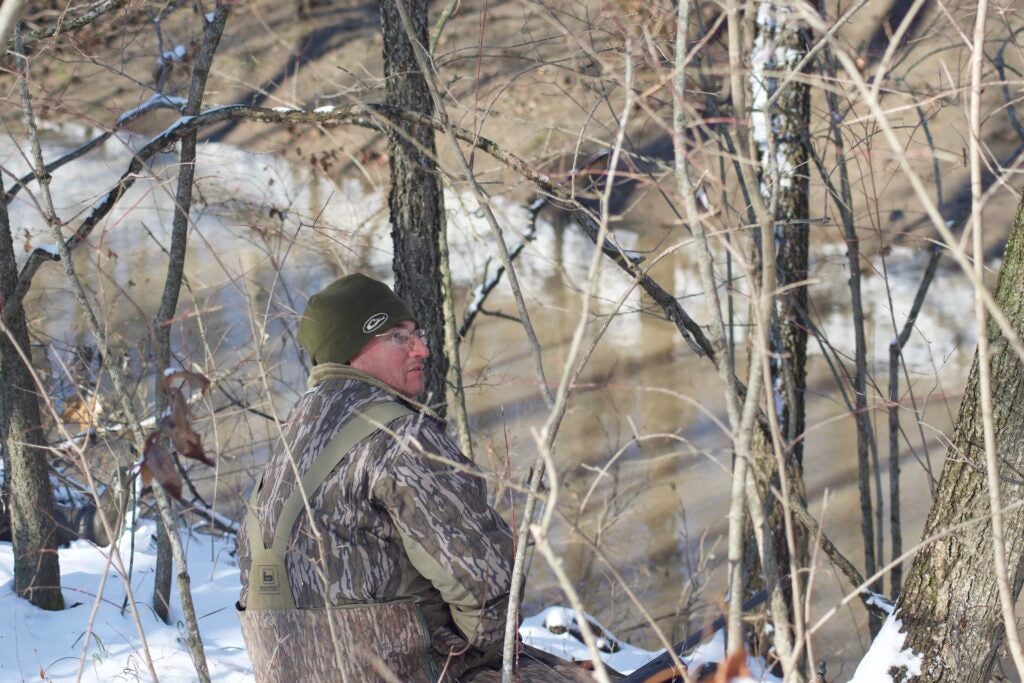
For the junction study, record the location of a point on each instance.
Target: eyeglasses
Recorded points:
(402, 337)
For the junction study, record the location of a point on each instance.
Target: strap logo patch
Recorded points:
(374, 322)
(269, 581)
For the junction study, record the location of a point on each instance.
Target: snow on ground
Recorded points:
(886, 653)
(52, 646)
(39, 645)
(538, 631)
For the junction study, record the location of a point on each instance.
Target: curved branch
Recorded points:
(158, 101)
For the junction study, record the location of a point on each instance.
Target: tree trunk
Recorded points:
(415, 202)
(780, 43)
(950, 602)
(172, 284)
(27, 480)
(784, 174)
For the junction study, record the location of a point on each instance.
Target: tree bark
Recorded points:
(415, 201)
(780, 119)
(950, 602)
(27, 480)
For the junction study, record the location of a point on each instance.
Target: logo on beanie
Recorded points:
(374, 322)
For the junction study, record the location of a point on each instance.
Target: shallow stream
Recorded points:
(641, 460)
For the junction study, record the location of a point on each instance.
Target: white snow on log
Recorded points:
(174, 126)
(157, 100)
(326, 109)
(879, 601)
(886, 653)
(537, 632)
(284, 110)
(51, 249)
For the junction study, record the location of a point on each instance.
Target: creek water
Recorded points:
(641, 461)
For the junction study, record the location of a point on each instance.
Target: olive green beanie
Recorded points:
(340, 320)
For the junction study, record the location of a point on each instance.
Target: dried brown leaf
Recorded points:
(158, 465)
(178, 427)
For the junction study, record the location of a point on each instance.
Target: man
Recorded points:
(397, 530)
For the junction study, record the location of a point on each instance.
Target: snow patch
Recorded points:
(175, 55)
(887, 652)
(326, 109)
(552, 630)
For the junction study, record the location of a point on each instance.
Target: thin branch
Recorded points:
(212, 31)
(482, 290)
(158, 101)
(895, 354)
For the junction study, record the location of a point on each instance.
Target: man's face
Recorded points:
(400, 367)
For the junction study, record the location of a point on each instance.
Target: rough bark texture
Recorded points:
(950, 601)
(780, 44)
(34, 535)
(415, 201)
(289, 645)
(785, 177)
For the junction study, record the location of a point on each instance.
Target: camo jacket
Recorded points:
(404, 517)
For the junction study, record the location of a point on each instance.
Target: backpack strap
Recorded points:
(268, 578)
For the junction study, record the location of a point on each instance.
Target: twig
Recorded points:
(737, 500)
(53, 222)
(10, 14)
(442, 20)
(481, 291)
(94, 12)
(540, 536)
(864, 435)
(895, 353)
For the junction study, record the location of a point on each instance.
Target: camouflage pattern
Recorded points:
(403, 517)
(339, 644)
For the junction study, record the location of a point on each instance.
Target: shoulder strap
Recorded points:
(268, 580)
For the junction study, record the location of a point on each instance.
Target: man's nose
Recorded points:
(419, 348)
